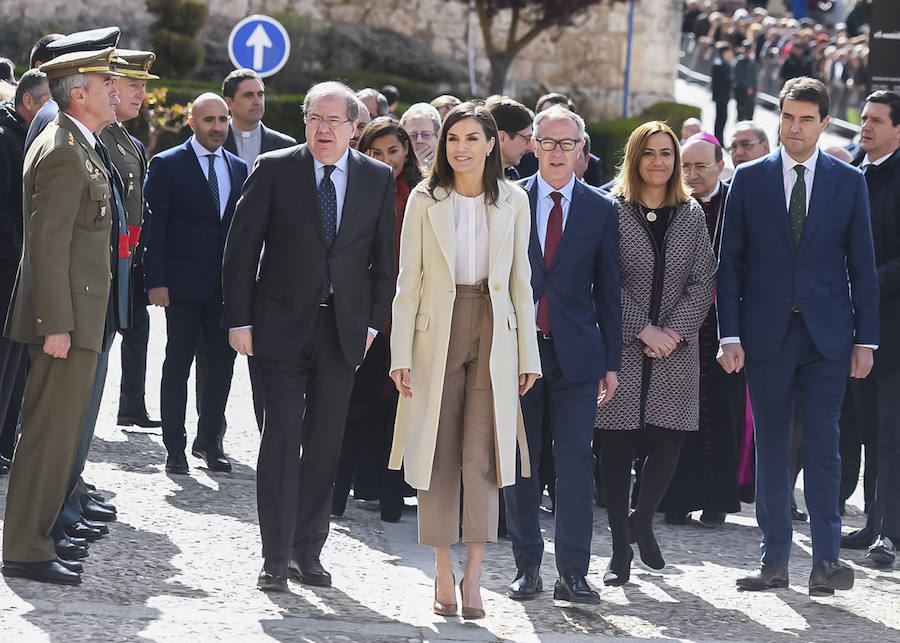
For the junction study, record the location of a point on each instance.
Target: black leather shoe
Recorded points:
(798, 516)
(882, 551)
(527, 585)
(4, 465)
(651, 556)
(766, 576)
(619, 570)
(44, 572)
(138, 420)
(214, 458)
(391, 509)
(100, 503)
(309, 571)
(71, 565)
(96, 525)
(677, 518)
(572, 587)
(176, 463)
(859, 539)
(81, 530)
(94, 511)
(96, 495)
(829, 575)
(67, 550)
(712, 519)
(273, 577)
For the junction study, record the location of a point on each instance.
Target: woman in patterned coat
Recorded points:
(668, 280)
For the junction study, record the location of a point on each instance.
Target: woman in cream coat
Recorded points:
(463, 346)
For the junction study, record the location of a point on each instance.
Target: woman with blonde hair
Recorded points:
(668, 279)
(463, 346)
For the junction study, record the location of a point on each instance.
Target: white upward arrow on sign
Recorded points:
(259, 41)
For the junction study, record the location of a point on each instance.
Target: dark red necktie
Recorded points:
(551, 243)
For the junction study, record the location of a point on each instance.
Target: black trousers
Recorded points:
(859, 429)
(13, 367)
(305, 406)
(746, 103)
(134, 363)
(884, 517)
(184, 320)
(721, 119)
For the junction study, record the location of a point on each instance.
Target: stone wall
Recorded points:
(586, 59)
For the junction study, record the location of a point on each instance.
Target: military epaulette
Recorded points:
(71, 140)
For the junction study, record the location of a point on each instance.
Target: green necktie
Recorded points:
(797, 205)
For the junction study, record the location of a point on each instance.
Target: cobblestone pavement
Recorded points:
(181, 562)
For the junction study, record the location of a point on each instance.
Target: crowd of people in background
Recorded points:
(399, 284)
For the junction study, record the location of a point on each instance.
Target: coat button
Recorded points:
(87, 289)
(40, 321)
(497, 287)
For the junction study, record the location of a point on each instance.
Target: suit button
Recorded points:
(87, 289)
(40, 321)
(497, 287)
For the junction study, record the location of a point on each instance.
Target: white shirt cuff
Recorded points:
(729, 340)
(373, 332)
(240, 327)
(872, 346)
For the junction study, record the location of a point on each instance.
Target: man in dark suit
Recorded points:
(574, 252)
(876, 396)
(310, 265)
(514, 131)
(191, 191)
(722, 85)
(31, 93)
(798, 292)
(245, 96)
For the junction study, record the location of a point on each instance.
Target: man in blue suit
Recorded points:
(574, 253)
(191, 191)
(798, 300)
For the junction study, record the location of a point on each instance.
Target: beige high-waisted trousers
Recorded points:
(466, 436)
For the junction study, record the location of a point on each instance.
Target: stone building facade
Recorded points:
(586, 59)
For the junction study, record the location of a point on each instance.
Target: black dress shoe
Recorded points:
(797, 515)
(96, 495)
(176, 463)
(67, 550)
(71, 565)
(651, 556)
(766, 576)
(4, 465)
(713, 519)
(93, 511)
(88, 498)
(309, 571)
(391, 509)
(572, 587)
(81, 530)
(138, 420)
(859, 539)
(45, 572)
(677, 518)
(882, 551)
(829, 575)
(273, 577)
(96, 525)
(214, 458)
(527, 585)
(619, 570)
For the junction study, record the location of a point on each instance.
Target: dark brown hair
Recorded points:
(629, 181)
(387, 126)
(805, 90)
(441, 174)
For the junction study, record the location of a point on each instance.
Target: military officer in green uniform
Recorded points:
(129, 157)
(59, 305)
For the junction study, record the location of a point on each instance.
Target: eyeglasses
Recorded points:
(687, 168)
(421, 136)
(315, 120)
(527, 138)
(549, 144)
(745, 145)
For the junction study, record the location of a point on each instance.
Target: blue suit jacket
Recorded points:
(187, 238)
(582, 284)
(832, 272)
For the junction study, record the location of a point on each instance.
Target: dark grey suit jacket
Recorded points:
(276, 260)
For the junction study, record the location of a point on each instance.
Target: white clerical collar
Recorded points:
(246, 133)
(709, 197)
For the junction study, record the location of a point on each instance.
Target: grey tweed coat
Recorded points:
(662, 392)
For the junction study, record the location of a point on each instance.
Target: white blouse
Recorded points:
(472, 240)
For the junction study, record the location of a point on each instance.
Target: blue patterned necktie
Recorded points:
(797, 207)
(213, 182)
(328, 206)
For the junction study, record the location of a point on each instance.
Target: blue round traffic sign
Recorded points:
(259, 43)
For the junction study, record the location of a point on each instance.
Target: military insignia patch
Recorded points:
(88, 166)
(121, 149)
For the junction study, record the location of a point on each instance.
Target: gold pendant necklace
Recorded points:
(651, 216)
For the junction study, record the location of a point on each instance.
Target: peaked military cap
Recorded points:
(135, 64)
(82, 62)
(91, 40)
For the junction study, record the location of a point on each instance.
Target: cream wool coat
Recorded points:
(423, 309)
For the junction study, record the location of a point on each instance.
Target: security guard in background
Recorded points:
(60, 305)
(130, 159)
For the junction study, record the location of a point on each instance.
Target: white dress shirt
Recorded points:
(222, 176)
(339, 178)
(790, 179)
(866, 162)
(472, 238)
